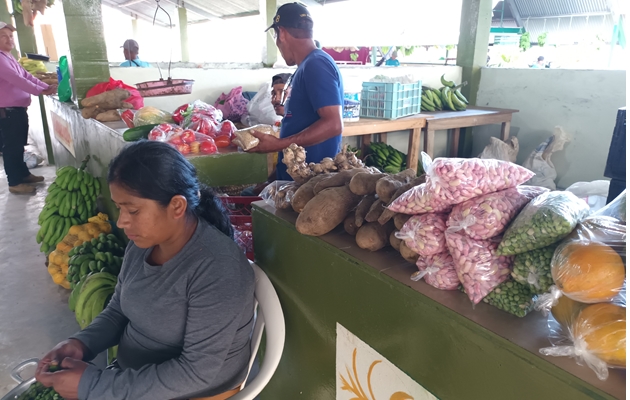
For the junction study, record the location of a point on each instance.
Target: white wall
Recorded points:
(210, 83)
(583, 102)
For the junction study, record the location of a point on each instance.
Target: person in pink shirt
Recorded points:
(16, 88)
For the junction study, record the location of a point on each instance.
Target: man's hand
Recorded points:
(268, 143)
(52, 89)
(66, 381)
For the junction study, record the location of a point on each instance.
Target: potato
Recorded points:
(394, 241)
(400, 220)
(326, 210)
(374, 236)
(338, 179)
(407, 253)
(304, 193)
(364, 183)
(349, 225)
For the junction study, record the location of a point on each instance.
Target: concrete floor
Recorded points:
(34, 314)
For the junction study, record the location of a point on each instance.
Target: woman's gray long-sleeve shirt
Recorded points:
(182, 328)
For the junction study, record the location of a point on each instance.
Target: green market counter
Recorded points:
(72, 138)
(434, 337)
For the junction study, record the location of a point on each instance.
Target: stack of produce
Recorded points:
(587, 298)
(58, 260)
(33, 66)
(186, 141)
(91, 295)
(49, 78)
(101, 254)
(386, 158)
(70, 201)
(104, 107)
(448, 97)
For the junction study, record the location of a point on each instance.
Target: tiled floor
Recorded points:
(34, 314)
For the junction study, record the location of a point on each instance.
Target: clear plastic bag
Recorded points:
(186, 141)
(533, 269)
(244, 238)
(419, 200)
(455, 180)
(615, 209)
(512, 297)
(202, 124)
(547, 219)
(424, 234)
(438, 271)
(594, 193)
(199, 107)
(478, 266)
(489, 215)
(279, 193)
(161, 132)
(245, 140)
(260, 109)
(151, 115)
(595, 335)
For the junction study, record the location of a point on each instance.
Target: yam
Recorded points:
(407, 253)
(389, 214)
(108, 116)
(387, 186)
(400, 220)
(374, 236)
(337, 179)
(364, 183)
(326, 210)
(376, 210)
(90, 112)
(110, 100)
(349, 226)
(394, 241)
(362, 209)
(305, 193)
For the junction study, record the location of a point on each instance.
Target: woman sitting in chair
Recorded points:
(183, 309)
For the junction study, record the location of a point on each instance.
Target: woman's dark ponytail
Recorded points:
(156, 171)
(211, 209)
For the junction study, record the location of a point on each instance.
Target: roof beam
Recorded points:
(597, 14)
(194, 9)
(515, 13)
(130, 3)
(134, 13)
(243, 14)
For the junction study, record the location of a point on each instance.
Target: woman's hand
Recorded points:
(66, 381)
(71, 348)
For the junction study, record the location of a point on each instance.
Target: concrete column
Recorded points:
(88, 54)
(183, 33)
(5, 16)
(472, 49)
(26, 36)
(270, 55)
(472, 53)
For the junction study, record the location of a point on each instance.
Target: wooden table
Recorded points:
(366, 127)
(453, 121)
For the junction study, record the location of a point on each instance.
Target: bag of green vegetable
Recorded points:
(512, 297)
(533, 269)
(546, 220)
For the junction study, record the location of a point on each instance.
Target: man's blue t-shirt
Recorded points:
(135, 63)
(317, 83)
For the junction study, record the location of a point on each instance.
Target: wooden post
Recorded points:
(183, 33)
(413, 152)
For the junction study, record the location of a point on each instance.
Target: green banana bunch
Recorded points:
(71, 200)
(449, 97)
(386, 158)
(102, 254)
(90, 297)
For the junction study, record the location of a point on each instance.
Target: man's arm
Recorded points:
(329, 125)
(20, 79)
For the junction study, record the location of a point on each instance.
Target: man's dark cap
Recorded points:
(280, 78)
(292, 15)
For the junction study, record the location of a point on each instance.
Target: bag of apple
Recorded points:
(186, 141)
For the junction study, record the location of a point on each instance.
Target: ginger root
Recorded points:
(294, 157)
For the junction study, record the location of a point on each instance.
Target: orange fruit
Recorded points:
(566, 311)
(588, 272)
(602, 328)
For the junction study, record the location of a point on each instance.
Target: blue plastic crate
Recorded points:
(390, 100)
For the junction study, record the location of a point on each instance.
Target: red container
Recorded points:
(240, 209)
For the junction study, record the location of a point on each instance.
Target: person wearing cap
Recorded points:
(393, 60)
(131, 49)
(16, 88)
(313, 105)
(278, 91)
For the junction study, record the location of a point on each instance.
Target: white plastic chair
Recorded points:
(269, 317)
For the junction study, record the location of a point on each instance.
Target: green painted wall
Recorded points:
(26, 36)
(88, 54)
(449, 355)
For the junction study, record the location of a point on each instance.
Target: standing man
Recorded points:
(131, 48)
(315, 100)
(16, 88)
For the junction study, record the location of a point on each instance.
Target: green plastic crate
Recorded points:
(390, 100)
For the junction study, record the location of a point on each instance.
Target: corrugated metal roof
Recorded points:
(546, 8)
(570, 30)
